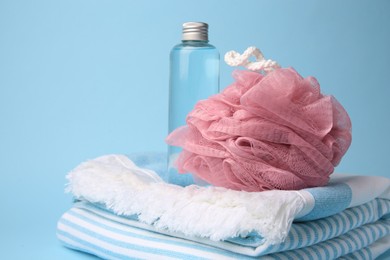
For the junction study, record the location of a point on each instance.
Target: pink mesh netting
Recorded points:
(264, 132)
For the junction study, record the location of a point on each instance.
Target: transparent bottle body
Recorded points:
(194, 75)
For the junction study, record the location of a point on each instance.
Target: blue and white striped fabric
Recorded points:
(347, 219)
(356, 233)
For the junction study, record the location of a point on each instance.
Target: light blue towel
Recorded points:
(91, 229)
(348, 218)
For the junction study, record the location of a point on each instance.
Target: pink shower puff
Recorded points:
(264, 132)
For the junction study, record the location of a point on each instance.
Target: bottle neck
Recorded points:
(194, 41)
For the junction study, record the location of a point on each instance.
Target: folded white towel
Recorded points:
(212, 212)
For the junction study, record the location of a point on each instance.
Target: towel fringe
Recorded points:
(207, 212)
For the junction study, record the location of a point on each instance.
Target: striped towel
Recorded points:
(349, 218)
(91, 229)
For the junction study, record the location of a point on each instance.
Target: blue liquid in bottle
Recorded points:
(194, 75)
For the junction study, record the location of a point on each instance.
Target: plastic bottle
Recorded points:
(194, 75)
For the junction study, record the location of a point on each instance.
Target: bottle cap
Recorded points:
(195, 31)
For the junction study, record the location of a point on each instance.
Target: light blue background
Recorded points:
(80, 79)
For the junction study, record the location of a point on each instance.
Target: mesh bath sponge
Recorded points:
(270, 129)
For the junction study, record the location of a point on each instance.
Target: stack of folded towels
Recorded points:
(125, 210)
(267, 146)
